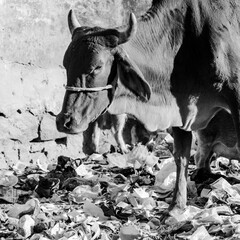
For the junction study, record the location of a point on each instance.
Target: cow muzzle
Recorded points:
(69, 123)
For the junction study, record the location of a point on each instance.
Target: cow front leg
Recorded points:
(96, 135)
(120, 121)
(182, 148)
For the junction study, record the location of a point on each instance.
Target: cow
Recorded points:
(175, 66)
(219, 138)
(117, 123)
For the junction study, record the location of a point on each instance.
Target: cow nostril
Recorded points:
(68, 123)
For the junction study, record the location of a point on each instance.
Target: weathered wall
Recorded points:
(36, 31)
(34, 36)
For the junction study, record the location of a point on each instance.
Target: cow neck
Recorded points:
(154, 48)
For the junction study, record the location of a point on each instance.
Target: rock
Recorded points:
(27, 124)
(23, 151)
(7, 130)
(129, 232)
(18, 210)
(38, 158)
(25, 226)
(36, 147)
(52, 150)
(3, 163)
(10, 151)
(74, 146)
(54, 91)
(48, 130)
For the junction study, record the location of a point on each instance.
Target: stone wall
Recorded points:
(34, 36)
(30, 99)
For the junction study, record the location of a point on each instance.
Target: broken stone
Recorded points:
(7, 130)
(23, 153)
(74, 146)
(27, 124)
(129, 232)
(38, 157)
(10, 151)
(25, 225)
(18, 210)
(3, 163)
(48, 130)
(36, 147)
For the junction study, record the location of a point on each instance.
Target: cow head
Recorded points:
(96, 65)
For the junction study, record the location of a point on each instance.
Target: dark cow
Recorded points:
(219, 138)
(117, 122)
(178, 65)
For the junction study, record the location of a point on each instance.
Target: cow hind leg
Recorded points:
(182, 148)
(204, 152)
(203, 171)
(233, 97)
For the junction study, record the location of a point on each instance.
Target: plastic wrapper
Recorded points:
(166, 176)
(207, 216)
(129, 232)
(185, 215)
(117, 160)
(201, 234)
(93, 210)
(85, 191)
(222, 184)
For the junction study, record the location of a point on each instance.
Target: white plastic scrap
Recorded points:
(185, 215)
(207, 216)
(166, 177)
(221, 183)
(201, 234)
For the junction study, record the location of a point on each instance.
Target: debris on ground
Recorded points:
(118, 196)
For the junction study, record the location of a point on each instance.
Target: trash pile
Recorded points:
(118, 196)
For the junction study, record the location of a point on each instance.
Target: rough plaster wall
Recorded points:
(33, 36)
(35, 31)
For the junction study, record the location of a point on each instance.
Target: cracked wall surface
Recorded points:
(33, 36)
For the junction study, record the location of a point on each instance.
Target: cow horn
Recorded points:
(72, 21)
(130, 31)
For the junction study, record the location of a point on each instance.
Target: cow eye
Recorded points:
(97, 69)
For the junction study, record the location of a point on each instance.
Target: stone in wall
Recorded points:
(19, 126)
(48, 130)
(7, 130)
(23, 153)
(27, 124)
(9, 149)
(3, 162)
(28, 87)
(74, 146)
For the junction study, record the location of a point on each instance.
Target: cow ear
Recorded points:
(131, 76)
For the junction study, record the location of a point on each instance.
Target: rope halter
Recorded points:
(94, 89)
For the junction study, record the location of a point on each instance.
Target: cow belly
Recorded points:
(218, 137)
(197, 114)
(153, 117)
(225, 151)
(188, 113)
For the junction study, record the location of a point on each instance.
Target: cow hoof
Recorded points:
(124, 149)
(164, 217)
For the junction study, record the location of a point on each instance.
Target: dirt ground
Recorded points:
(118, 196)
